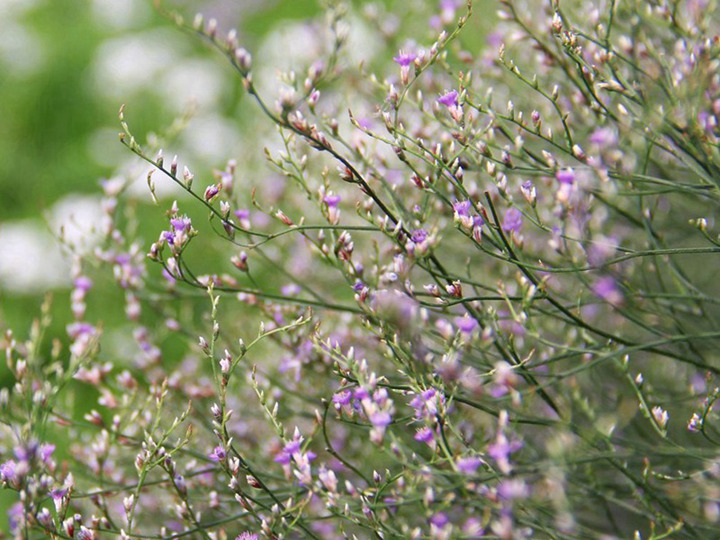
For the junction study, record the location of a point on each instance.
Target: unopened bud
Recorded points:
(243, 59)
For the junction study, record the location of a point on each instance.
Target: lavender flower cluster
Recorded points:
(467, 292)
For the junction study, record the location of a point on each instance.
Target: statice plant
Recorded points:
(458, 290)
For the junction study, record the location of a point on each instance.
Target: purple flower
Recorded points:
(468, 465)
(16, 517)
(565, 176)
(381, 419)
(45, 451)
(78, 329)
(246, 536)
(426, 403)
(283, 458)
(695, 424)
(243, 216)
(180, 224)
(404, 59)
(461, 214)
(7, 471)
(418, 236)
(211, 192)
(473, 528)
(501, 449)
(449, 99)
(289, 450)
(462, 208)
(478, 223)
(83, 283)
(85, 534)
(168, 236)
(26, 453)
(290, 289)
(218, 454)
(424, 434)
(292, 447)
(439, 520)
(529, 192)
(512, 221)
(513, 489)
(466, 325)
(358, 286)
(332, 200)
(606, 288)
(168, 276)
(58, 494)
(342, 398)
(603, 137)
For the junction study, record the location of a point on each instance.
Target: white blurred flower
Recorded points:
(133, 62)
(30, 260)
(120, 15)
(77, 220)
(194, 81)
(20, 50)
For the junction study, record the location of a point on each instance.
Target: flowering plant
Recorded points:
(473, 298)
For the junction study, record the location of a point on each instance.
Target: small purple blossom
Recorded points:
(466, 325)
(16, 517)
(292, 450)
(695, 424)
(218, 454)
(512, 221)
(59, 493)
(462, 208)
(211, 192)
(513, 489)
(26, 452)
(243, 215)
(7, 471)
(426, 404)
(449, 99)
(246, 536)
(461, 214)
(424, 434)
(606, 288)
(439, 520)
(381, 419)
(79, 329)
(85, 534)
(168, 237)
(181, 224)
(291, 289)
(468, 465)
(45, 452)
(358, 286)
(477, 225)
(342, 398)
(332, 200)
(565, 176)
(83, 283)
(603, 137)
(501, 450)
(529, 192)
(295, 461)
(418, 236)
(404, 59)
